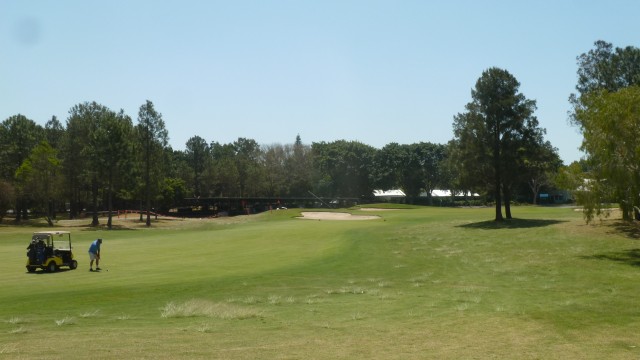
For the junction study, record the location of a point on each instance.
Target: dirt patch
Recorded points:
(323, 215)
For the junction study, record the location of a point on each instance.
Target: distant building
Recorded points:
(448, 193)
(388, 195)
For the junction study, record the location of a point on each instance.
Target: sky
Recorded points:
(371, 71)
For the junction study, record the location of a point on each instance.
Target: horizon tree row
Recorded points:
(99, 160)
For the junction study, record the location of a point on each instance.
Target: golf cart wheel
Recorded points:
(52, 267)
(73, 265)
(31, 269)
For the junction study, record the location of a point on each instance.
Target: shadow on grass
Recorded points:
(511, 224)
(630, 229)
(629, 257)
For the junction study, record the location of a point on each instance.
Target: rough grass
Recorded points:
(205, 308)
(423, 283)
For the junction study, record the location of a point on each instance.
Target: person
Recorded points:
(94, 254)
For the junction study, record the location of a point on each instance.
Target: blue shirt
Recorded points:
(95, 247)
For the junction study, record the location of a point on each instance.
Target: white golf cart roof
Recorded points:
(51, 232)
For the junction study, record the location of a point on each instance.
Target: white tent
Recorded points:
(388, 194)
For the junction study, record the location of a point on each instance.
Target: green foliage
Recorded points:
(344, 167)
(18, 136)
(39, 179)
(197, 156)
(7, 198)
(611, 127)
(153, 138)
(606, 112)
(413, 167)
(495, 137)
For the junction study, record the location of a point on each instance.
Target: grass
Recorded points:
(418, 283)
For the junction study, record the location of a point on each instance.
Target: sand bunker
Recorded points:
(322, 215)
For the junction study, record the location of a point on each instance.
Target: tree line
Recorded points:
(99, 159)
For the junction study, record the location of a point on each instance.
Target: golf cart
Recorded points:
(49, 250)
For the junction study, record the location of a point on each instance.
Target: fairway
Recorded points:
(413, 283)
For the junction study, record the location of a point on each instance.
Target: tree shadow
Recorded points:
(511, 224)
(630, 229)
(629, 257)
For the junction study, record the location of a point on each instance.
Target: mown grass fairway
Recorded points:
(417, 283)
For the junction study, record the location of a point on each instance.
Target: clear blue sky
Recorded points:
(373, 71)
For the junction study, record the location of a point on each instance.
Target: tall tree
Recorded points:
(197, 155)
(111, 152)
(424, 170)
(247, 162)
(298, 168)
(18, 136)
(224, 170)
(39, 179)
(153, 138)
(611, 129)
(7, 197)
(274, 163)
(345, 168)
(490, 130)
(54, 132)
(84, 151)
(605, 110)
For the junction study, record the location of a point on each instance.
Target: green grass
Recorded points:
(417, 283)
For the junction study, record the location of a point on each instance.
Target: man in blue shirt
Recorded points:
(94, 254)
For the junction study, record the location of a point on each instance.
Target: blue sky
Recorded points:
(372, 71)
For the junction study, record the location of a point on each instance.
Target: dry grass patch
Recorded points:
(205, 308)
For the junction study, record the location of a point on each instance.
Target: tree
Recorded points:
(54, 132)
(197, 156)
(413, 168)
(298, 168)
(606, 112)
(110, 151)
(7, 198)
(345, 168)
(247, 155)
(540, 167)
(39, 179)
(224, 169)
(490, 130)
(606, 68)
(18, 136)
(153, 138)
(388, 169)
(274, 163)
(424, 170)
(611, 128)
(87, 152)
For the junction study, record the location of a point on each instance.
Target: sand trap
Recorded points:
(322, 215)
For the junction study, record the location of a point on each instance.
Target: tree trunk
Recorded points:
(498, 204)
(498, 189)
(50, 212)
(109, 204)
(94, 192)
(507, 202)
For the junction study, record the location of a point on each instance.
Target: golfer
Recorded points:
(94, 254)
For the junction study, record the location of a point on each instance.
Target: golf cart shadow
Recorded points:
(512, 224)
(42, 272)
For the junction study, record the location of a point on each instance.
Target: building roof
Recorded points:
(389, 193)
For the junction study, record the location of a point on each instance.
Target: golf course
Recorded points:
(409, 283)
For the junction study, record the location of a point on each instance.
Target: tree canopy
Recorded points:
(494, 135)
(606, 109)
